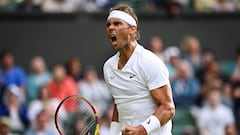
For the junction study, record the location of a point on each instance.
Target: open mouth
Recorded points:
(113, 38)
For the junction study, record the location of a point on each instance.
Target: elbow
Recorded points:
(172, 112)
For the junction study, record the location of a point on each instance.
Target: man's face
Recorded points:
(118, 32)
(8, 60)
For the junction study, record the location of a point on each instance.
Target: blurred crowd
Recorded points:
(94, 6)
(204, 87)
(207, 87)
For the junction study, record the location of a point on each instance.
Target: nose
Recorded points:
(110, 26)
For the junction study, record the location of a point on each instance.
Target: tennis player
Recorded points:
(138, 80)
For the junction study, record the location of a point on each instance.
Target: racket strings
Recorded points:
(84, 112)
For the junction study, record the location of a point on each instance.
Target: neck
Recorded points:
(126, 53)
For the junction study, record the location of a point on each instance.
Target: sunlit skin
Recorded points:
(125, 41)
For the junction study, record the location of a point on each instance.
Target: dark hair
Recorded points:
(5, 52)
(129, 10)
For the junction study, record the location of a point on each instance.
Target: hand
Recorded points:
(130, 130)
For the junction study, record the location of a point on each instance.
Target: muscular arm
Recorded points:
(165, 111)
(163, 97)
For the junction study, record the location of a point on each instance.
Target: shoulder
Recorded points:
(148, 57)
(110, 61)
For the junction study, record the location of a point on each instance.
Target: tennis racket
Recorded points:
(83, 120)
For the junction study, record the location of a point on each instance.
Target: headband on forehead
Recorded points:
(122, 15)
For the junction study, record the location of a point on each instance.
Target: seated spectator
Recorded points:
(204, 5)
(90, 6)
(41, 126)
(8, 5)
(172, 57)
(5, 126)
(227, 95)
(214, 116)
(192, 52)
(224, 6)
(38, 77)
(14, 109)
(1, 89)
(28, 6)
(74, 68)
(12, 74)
(185, 87)
(46, 103)
(156, 46)
(95, 90)
(236, 99)
(213, 72)
(62, 86)
(59, 6)
(208, 57)
(235, 77)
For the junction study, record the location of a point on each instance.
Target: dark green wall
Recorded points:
(59, 38)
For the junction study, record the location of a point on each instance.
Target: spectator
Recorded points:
(224, 6)
(185, 87)
(208, 57)
(41, 126)
(235, 77)
(230, 130)
(90, 6)
(192, 52)
(95, 90)
(14, 109)
(12, 74)
(1, 88)
(5, 126)
(8, 5)
(204, 5)
(28, 6)
(213, 72)
(59, 6)
(38, 77)
(62, 86)
(74, 68)
(227, 95)
(214, 116)
(46, 103)
(156, 46)
(172, 56)
(236, 98)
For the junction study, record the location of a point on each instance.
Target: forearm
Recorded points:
(165, 112)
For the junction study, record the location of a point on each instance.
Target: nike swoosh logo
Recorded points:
(148, 122)
(132, 76)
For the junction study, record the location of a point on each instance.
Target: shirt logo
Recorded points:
(112, 77)
(148, 122)
(132, 76)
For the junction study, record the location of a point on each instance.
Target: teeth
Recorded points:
(113, 38)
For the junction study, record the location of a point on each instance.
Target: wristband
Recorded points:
(115, 128)
(151, 124)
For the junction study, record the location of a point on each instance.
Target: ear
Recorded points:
(133, 29)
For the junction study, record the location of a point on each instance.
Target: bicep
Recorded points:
(162, 95)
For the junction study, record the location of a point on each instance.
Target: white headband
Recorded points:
(122, 15)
